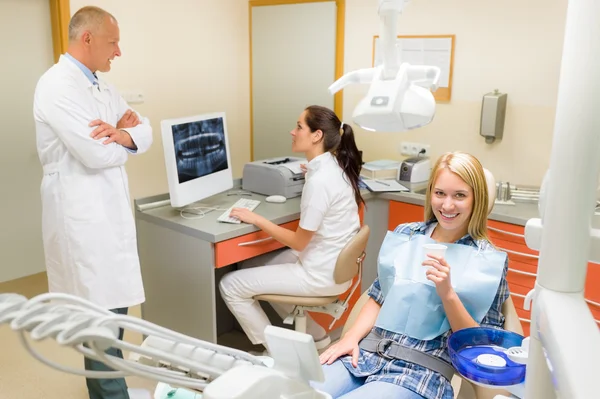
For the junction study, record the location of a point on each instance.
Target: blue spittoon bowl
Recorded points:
(479, 355)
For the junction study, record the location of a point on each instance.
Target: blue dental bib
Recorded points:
(412, 306)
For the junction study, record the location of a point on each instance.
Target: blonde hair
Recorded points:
(87, 18)
(469, 169)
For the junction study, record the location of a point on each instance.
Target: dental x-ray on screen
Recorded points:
(199, 148)
(197, 157)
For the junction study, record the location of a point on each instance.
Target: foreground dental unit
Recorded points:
(559, 359)
(166, 356)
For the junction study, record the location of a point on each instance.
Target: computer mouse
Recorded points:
(279, 199)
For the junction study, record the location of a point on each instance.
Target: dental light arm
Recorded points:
(359, 76)
(166, 356)
(389, 11)
(399, 96)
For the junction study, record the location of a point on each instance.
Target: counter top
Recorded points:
(517, 214)
(206, 227)
(209, 229)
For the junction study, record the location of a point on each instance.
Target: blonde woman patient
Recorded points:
(418, 299)
(328, 220)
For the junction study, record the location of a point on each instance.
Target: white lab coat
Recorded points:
(87, 225)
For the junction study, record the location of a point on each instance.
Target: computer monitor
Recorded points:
(197, 157)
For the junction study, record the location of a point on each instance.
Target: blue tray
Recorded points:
(478, 354)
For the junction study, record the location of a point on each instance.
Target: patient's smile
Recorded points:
(449, 215)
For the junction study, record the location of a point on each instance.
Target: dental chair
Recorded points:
(347, 267)
(464, 389)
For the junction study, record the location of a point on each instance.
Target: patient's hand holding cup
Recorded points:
(441, 272)
(438, 250)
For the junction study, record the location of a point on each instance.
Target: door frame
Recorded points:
(339, 52)
(60, 15)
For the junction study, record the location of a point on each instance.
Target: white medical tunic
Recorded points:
(87, 225)
(328, 208)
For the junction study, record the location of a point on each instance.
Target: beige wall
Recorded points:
(514, 46)
(186, 57)
(25, 60)
(192, 57)
(275, 110)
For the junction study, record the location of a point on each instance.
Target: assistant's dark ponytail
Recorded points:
(349, 159)
(339, 140)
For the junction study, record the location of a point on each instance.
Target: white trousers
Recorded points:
(278, 274)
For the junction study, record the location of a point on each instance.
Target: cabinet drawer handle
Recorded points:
(243, 244)
(520, 253)
(596, 304)
(508, 233)
(529, 321)
(523, 273)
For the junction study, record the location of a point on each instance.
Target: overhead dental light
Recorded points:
(400, 96)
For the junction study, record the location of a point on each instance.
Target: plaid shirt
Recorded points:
(421, 380)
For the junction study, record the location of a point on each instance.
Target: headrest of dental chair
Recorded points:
(491, 184)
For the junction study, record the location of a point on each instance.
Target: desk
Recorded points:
(182, 260)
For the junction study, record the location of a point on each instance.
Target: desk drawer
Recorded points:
(525, 319)
(592, 282)
(400, 212)
(518, 253)
(518, 293)
(518, 277)
(506, 231)
(248, 246)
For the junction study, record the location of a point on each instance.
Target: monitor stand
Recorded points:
(239, 193)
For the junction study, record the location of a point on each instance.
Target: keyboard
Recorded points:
(249, 204)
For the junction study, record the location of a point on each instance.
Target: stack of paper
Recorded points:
(382, 169)
(294, 167)
(376, 185)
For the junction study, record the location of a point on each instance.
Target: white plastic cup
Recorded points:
(435, 250)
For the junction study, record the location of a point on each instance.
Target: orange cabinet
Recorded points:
(523, 265)
(522, 261)
(399, 213)
(247, 246)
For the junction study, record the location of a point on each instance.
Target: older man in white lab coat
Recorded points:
(85, 134)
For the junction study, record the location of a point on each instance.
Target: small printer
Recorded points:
(414, 170)
(278, 176)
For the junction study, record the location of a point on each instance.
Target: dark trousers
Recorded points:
(107, 388)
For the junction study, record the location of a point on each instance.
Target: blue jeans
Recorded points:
(339, 383)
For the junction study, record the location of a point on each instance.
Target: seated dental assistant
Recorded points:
(419, 298)
(328, 220)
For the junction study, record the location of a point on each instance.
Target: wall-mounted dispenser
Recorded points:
(493, 113)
